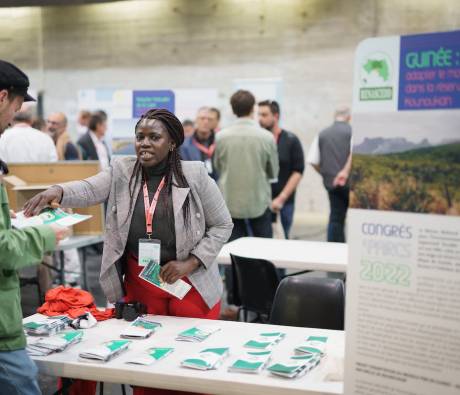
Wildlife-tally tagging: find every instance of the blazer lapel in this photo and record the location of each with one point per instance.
(178, 198)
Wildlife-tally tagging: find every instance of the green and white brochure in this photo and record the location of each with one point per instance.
(251, 362)
(105, 352)
(151, 274)
(265, 340)
(140, 328)
(48, 216)
(198, 333)
(313, 345)
(209, 358)
(294, 366)
(151, 356)
(56, 343)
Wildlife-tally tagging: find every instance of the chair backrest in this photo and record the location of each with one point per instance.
(256, 281)
(314, 302)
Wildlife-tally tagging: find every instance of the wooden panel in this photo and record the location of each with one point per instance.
(32, 178)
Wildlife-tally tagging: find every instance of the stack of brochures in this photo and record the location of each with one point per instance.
(251, 362)
(140, 328)
(265, 340)
(104, 352)
(295, 366)
(56, 343)
(313, 345)
(210, 358)
(150, 356)
(198, 333)
(46, 326)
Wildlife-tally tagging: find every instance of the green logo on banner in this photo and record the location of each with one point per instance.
(376, 78)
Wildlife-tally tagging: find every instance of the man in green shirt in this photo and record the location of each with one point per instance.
(18, 249)
(246, 158)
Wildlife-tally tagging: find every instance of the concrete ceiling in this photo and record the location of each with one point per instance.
(29, 3)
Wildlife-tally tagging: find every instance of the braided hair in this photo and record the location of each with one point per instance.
(174, 167)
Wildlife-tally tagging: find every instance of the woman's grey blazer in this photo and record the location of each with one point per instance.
(210, 227)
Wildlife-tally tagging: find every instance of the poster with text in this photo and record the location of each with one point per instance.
(403, 278)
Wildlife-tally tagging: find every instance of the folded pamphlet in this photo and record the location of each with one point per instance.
(265, 340)
(150, 356)
(56, 343)
(105, 352)
(151, 274)
(312, 345)
(46, 326)
(198, 333)
(210, 358)
(251, 362)
(140, 328)
(48, 216)
(295, 366)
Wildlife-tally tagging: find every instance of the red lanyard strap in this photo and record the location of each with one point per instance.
(150, 208)
(206, 150)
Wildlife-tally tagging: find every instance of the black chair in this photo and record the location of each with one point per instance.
(255, 282)
(314, 302)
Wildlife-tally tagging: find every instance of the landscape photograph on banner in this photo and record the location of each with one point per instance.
(406, 161)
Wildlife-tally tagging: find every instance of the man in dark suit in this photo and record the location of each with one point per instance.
(92, 144)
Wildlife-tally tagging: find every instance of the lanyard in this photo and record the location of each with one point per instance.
(150, 208)
(206, 150)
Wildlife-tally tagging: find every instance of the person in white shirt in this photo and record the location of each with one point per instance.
(22, 143)
(92, 144)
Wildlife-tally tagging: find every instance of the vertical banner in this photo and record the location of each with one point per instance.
(403, 278)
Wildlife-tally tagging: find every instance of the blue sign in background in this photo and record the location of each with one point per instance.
(429, 72)
(146, 100)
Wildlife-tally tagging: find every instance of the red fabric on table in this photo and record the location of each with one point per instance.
(72, 302)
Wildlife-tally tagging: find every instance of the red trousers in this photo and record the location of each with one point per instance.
(161, 303)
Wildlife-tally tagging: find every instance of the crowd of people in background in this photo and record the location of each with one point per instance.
(256, 163)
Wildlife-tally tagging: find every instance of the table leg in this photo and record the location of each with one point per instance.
(61, 267)
(84, 273)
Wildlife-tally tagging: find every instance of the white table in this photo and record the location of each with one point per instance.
(168, 374)
(289, 254)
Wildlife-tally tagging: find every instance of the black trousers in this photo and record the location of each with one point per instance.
(257, 227)
(339, 199)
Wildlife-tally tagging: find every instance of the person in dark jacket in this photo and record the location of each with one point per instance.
(92, 144)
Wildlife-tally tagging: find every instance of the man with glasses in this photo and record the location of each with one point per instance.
(57, 129)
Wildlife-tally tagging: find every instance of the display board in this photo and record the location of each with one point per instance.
(403, 277)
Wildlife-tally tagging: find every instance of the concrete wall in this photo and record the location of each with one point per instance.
(309, 44)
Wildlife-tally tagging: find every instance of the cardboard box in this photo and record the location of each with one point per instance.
(25, 180)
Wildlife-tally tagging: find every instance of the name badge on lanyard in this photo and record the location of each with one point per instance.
(150, 249)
